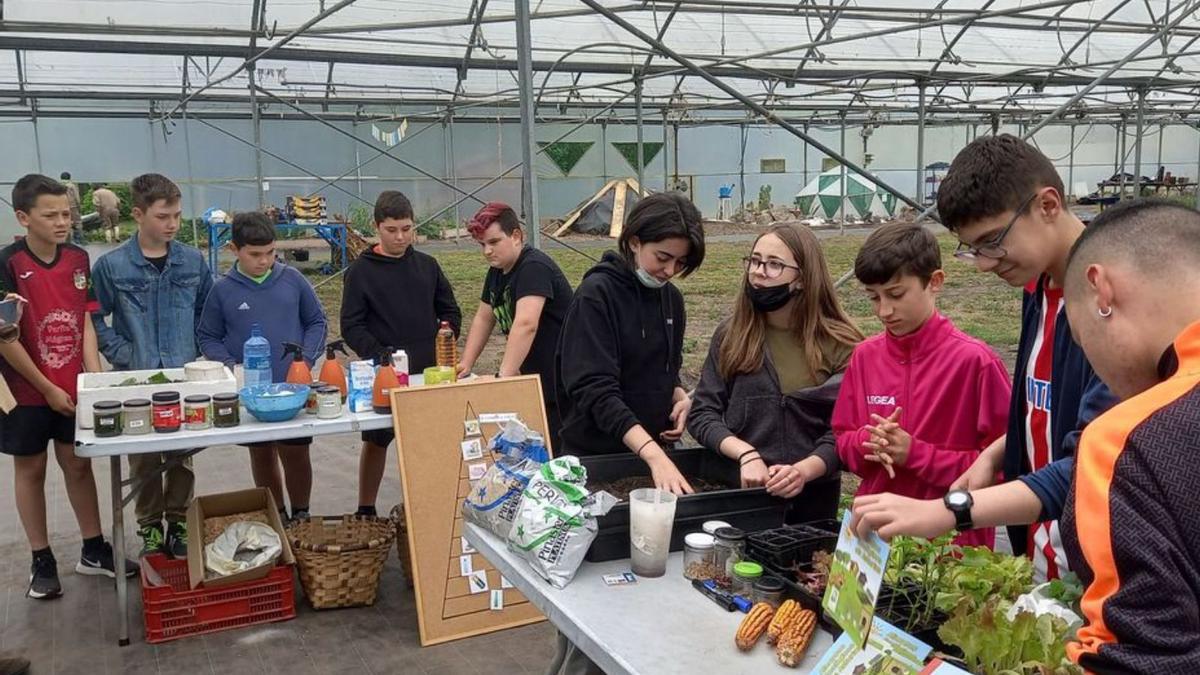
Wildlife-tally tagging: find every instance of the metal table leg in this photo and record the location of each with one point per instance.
(118, 543)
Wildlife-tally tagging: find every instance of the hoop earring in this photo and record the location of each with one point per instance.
(1105, 312)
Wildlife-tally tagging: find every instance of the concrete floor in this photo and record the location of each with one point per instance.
(77, 632)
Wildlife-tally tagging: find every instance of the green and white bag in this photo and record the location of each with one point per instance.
(555, 524)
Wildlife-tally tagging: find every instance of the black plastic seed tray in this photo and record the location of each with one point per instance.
(786, 546)
(749, 509)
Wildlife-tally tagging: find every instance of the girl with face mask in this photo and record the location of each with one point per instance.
(768, 386)
(618, 358)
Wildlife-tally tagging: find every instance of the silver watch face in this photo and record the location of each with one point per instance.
(957, 498)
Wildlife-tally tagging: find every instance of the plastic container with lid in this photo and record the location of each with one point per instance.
(225, 410)
(698, 556)
(168, 416)
(135, 416)
(197, 412)
(106, 418)
(728, 550)
(768, 590)
(745, 575)
(329, 402)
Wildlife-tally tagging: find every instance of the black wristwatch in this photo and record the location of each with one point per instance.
(960, 502)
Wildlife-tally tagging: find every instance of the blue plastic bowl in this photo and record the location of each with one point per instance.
(278, 402)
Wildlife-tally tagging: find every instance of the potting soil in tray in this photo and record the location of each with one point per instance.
(622, 487)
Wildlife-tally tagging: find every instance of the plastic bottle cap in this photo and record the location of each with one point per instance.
(748, 569)
(712, 526)
(698, 540)
(730, 534)
(769, 585)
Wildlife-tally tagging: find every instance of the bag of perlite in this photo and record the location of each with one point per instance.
(556, 521)
(495, 498)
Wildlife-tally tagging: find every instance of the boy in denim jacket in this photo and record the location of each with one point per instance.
(154, 288)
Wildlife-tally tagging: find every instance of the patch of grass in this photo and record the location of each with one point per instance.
(981, 304)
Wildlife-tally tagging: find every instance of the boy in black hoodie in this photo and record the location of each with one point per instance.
(394, 297)
(617, 363)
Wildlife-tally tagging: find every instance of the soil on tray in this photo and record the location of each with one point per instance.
(622, 487)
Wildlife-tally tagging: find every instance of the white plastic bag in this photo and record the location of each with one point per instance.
(1037, 602)
(243, 545)
(554, 525)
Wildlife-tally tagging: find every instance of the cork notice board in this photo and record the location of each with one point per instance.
(456, 590)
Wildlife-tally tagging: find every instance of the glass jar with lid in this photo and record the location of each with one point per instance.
(225, 410)
(698, 557)
(745, 575)
(135, 416)
(106, 418)
(729, 548)
(768, 590)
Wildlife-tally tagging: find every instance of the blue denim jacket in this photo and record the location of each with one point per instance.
(154, 316)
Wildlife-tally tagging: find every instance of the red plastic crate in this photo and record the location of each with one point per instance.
(174, 611)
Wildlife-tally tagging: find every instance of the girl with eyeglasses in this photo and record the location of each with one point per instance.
(768, 386)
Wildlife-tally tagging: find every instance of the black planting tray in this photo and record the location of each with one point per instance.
(749, 509)
(783, 547)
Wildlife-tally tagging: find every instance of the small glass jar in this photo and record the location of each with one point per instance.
(329, 403)
(168, 416)
(711, 526)
(197, 412)
(135, 416)
(225, 411)
(310, 404)
(728, 550)
(745, 575)
(106, 418)
(698, 557)
(768, 590)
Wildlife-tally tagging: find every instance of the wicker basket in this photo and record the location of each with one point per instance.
(340, 558)
(402, 544)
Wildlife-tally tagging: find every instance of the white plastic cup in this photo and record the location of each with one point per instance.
(651, 517)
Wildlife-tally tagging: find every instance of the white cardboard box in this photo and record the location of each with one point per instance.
(93, 387)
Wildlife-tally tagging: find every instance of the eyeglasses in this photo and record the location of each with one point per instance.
(993, 249)
(771, 268)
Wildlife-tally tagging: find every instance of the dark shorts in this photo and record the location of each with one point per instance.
(28, 430)
(380, 437)
(307, 440)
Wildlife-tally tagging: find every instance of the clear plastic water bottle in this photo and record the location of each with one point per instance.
(256, 358)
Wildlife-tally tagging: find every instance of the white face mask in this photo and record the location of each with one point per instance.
(648, 280)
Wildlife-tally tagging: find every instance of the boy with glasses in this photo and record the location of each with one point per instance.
(1004, 201)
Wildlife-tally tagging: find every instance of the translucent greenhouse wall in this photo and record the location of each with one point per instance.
(222, 169)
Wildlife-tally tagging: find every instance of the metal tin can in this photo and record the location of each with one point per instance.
(106, 418)
(197, 412)
(329, 402)
(135, 416)
(225, 410)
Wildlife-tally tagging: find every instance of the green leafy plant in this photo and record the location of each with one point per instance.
(915, 571)
(764, 198)
(362, 220)
(979, 574)
(994, 645)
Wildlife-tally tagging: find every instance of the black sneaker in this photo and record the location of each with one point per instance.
(43, 579)
(152, 539)
(177, 540)
(297, 516)
(100, 562)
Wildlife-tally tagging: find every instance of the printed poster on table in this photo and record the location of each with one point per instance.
(854, 579)
(889, 651)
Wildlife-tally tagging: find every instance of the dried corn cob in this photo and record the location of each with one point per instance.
(794, 642)
(785, 617)
(754, 625)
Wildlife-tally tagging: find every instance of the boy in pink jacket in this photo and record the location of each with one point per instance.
(921, 400)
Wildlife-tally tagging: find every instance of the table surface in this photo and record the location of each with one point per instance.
(249, 431)
(658, 625)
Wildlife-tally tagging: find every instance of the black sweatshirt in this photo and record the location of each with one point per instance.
(397, 303)
(618, 359)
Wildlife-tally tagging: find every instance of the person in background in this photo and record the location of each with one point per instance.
(76, 212)
(108, 205)
(768, 385)
(526, 294)
(154, 288)
(394, 297)
(921, 400)
(618, 359)
(41, 362)
(1127, 505)
(260, 290)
